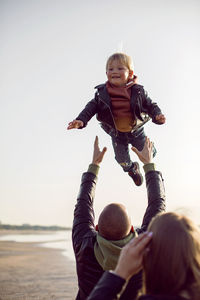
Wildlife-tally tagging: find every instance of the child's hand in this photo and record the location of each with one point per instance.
(75, 124)
(160, 119)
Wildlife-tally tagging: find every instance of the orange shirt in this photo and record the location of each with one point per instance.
(120, 98)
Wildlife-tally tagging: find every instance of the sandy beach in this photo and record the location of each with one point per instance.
(31, 272)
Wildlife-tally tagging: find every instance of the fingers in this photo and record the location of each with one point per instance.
(145, 155)
(135, 150)
(103, 151)
(131, 256)
(97, 153)
(161, 119)
(141, 241)
(158, 117)
(70, 126)
(148, 143)
(75, 124)
(138, 239)
(96, 141)
(96, 145)
(101, 155)
(144, 241)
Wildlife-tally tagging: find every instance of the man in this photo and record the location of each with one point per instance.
(98, 250)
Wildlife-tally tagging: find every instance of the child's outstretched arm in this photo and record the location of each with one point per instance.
(75, 124)
(152, 109)
(160, 118)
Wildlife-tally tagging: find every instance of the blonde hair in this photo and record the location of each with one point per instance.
(123, 58)
(172, 264)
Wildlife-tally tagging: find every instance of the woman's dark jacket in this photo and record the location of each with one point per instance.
(141, 107)
(84, 234)
(110, 285)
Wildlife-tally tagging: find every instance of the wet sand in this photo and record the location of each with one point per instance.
(30, 272)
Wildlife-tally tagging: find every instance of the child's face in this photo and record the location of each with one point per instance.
(117, 73)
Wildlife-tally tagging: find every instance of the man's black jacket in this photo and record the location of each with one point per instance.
(84, 234)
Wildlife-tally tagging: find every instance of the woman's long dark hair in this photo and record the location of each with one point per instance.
(172, 264)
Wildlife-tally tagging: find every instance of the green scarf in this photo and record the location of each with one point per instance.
(107, 252)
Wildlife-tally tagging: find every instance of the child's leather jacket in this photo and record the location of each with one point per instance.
(141, 105)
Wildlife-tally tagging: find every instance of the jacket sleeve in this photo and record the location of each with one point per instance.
(107, 287)
(88, 112)
(150, 107)
(132, 288)
(84, 214)
(156, 197)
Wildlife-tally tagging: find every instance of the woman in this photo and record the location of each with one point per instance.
(169, 255)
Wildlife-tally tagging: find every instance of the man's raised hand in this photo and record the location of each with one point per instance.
(97, 153)
(146, 154)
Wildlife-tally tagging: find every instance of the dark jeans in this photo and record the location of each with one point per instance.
(121, 146)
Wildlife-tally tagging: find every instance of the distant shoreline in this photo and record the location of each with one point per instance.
(27, 231)
(32, 227)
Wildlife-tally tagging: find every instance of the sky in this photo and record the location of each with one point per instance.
(52, 55)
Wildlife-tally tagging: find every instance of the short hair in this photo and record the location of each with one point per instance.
(114, 222)
(123, 58)
(172, 263)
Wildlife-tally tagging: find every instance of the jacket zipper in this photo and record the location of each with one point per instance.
(110, 114)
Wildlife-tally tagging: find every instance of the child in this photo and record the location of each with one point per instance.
(122, 106)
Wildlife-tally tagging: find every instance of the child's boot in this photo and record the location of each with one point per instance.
(135, 174)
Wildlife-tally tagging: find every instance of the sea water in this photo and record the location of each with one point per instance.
(60, 240)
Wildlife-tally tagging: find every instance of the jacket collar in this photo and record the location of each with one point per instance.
(102, 91)
(102, 87)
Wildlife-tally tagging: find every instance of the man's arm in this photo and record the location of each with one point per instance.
(83, 213)
(154, 184)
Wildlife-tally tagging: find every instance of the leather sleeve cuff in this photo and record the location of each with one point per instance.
(108, 286)
(93, 169)
(149, 167)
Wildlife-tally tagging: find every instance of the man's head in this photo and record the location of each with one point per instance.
(119, 69)
(114, 222)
